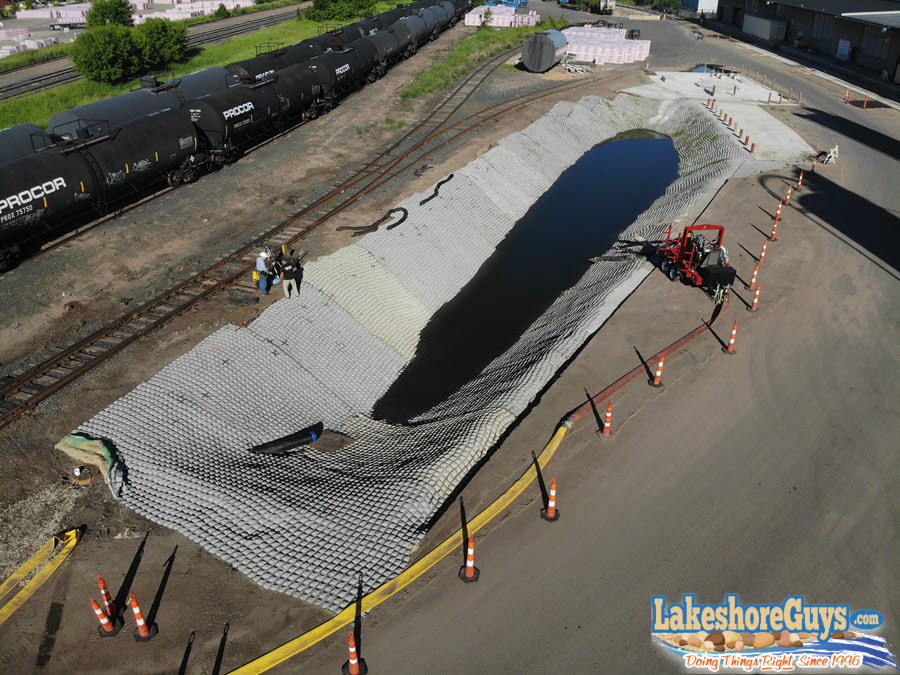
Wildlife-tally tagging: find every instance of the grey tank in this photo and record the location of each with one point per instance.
(543, 50)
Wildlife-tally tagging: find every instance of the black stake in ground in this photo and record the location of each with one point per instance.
(357, 633)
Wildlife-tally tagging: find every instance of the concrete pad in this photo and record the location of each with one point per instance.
(723, 88)
(774, 140)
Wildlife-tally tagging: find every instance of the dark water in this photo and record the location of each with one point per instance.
(546, 252)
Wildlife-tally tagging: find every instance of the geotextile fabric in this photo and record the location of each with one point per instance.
(308, 523)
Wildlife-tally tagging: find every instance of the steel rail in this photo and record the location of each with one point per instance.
(28, 388)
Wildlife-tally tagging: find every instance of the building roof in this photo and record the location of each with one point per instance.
(889, 19)
(839, 7)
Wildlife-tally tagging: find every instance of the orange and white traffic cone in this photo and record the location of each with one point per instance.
(107, 598)
(730, 348)
(468, 572)
(762, 256)
(774, 231)
(778, 212)
(787, 200)
(800, 182)
(551, 513)
(608, 421)
(143, 632)
(753, 278)
(108, 627)
(815, 161)
(752, 308)
(355, 665)
(656, 382)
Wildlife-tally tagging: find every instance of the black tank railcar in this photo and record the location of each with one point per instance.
(418, 31)
(391, 17)
(430, 19)
(462, 6)
(338, 73)
(118, 110)
(227, 118)
(38, 192)
(442, 17)
(363, 28)
(71, 180)
(330, 40)
(366, 54)
(451, 11)
(260, 68)
(299, 91)
(303, 51)
(22, 140)
(405, 37)
(388, 47)
(143, 152)
(202, 82)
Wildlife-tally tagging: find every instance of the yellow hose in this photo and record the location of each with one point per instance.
(413, 572)
(69, 539)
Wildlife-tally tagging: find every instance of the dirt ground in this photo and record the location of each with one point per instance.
(76, 288)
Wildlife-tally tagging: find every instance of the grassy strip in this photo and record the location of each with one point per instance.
(31, 56)
(41, 106)
(482, 44)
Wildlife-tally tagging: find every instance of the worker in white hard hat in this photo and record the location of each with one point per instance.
(262, 270)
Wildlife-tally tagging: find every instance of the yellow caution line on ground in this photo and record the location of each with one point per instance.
(417, 569)
(69, 539)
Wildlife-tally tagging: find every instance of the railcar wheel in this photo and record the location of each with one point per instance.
(664, 266)
(673, 273)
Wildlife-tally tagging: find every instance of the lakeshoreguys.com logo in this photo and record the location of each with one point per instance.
(782, 637)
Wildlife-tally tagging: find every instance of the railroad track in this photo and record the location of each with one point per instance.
(69, 74)
(23, 390)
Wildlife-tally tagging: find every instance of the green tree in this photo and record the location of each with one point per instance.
(486, 19)
(339, 10)
(105, 12)
(28, 4)
(106, 54)
(666, 5)
(161, 42)
(222, 12)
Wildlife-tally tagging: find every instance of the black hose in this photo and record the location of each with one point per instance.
(436, 188)
(281, 445)
(399, 209)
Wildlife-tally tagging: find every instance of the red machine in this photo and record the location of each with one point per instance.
(699, 258)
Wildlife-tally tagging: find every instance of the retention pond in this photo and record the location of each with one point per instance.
(546, 252)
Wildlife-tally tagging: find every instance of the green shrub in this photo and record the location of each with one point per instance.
(107, 12)
(106, 53)
(161, 42)
(340, 10)
(222, 12)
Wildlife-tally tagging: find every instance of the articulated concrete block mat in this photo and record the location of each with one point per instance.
(309, 522)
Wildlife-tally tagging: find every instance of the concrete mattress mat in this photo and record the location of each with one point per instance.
(309, 522)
